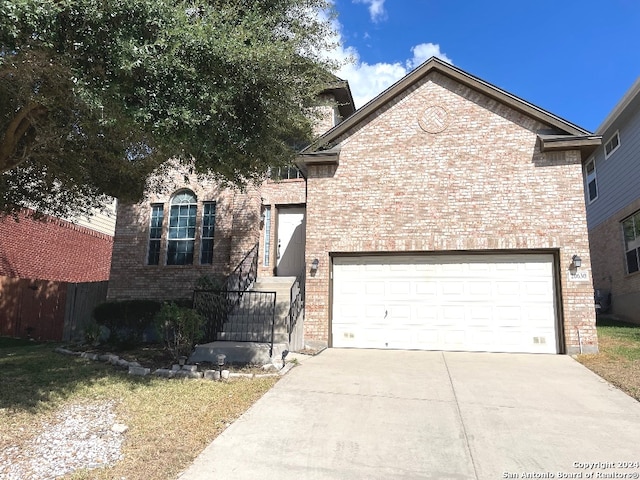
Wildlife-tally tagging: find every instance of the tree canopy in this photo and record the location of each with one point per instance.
(96, 94)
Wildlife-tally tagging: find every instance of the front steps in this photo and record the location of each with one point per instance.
(251, 319)
(245, 337)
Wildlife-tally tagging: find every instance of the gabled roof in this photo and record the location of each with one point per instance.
(576, 136)
(341, 91)
(620, 108)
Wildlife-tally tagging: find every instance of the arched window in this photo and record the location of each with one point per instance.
(182, 228)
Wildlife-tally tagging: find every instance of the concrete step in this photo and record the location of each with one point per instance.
(238, 352)
(253, 337)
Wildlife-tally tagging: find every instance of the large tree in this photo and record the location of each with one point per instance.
(95, 94)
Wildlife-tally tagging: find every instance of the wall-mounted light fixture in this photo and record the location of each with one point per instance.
(315, 264)
(576, 261)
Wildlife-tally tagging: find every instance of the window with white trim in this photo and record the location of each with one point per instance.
(155, 233)
(208, 230)
(631, 233)
(175, 243)
(612, 145)
(182, 228)
(590, 180)
(290, 172)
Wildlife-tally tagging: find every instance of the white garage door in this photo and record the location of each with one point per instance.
(491, 303)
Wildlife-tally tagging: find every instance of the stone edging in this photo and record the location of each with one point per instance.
(177, 371)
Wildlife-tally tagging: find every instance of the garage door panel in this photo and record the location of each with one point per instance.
(374, 287)
(458, 302)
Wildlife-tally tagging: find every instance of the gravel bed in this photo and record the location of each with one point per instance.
(82, 436)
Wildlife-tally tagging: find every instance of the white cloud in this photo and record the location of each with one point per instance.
(368, 80)
(376, 9)
(423, 52)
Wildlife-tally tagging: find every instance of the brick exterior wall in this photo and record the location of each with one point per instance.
(277, 195)
(481, 184)
(236, 231)
(53, 249)
(609, 270)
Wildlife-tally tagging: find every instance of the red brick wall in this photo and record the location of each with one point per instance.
(53, 249)
(481, 183)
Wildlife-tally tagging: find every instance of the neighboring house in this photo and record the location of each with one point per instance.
(446, 214)
(54, 249)
(611, 179)
(52, 272)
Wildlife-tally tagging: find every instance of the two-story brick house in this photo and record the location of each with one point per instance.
(446, 214)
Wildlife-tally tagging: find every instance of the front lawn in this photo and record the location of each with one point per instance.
(619, 359)
(170, 421)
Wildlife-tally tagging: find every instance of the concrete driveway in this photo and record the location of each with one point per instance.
(371, 414)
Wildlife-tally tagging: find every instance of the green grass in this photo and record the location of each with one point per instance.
(170, 421)
(619, 358)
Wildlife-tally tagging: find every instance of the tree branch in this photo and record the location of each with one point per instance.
(16, 130)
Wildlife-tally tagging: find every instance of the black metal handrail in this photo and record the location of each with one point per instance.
(244, 274)
(296, 300)
(249, 319)
(216, 305)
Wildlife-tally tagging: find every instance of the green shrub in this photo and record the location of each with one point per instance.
(207, 282)
(126, 320)
(179, 327)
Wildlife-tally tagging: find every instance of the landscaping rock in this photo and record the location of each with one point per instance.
(190, 368)
(141, 371)
(122, 363)
(240, 375)
(119, 428)
(225, 374)
(89, 356)
(164, 372)
(176, 367)
(212, 375)
(114, 359)
(187, 374)
(64, 351)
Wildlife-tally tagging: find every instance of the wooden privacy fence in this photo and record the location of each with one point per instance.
(45, 310)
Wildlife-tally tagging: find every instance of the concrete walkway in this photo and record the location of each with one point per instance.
(371, 414)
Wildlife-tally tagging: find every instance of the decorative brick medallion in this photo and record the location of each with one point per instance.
(434, 119)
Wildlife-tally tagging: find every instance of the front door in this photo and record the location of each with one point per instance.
(291, 239)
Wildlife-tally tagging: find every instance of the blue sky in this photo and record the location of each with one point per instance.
(573, 58)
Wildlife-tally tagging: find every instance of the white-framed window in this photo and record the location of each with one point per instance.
(590, 180)
(155, 233)
(267, 236)
(181, 231)
(208, 230)
(631, 233)
(612, 145)
(290, 172)
(182, 228)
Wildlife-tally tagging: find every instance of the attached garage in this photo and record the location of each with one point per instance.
(486, 302)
